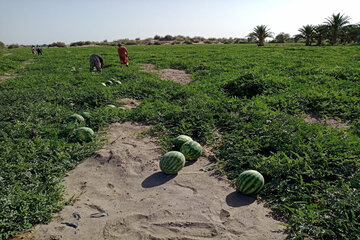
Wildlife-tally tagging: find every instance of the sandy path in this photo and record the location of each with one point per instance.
(175, 75)
(123, 180)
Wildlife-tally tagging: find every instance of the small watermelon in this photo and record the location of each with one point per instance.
(172, 162)
(192, 150)
(76, 118)
(117, 82)
(110, 106)
(180, 140)
(250, 182)
(109, 82)
(103, 84)
(84, 134)
(86, 115)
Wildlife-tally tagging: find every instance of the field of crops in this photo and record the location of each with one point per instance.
(248, 103)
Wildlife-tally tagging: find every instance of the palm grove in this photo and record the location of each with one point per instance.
(335, 29)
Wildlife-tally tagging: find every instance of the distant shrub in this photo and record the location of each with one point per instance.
(240, 40)
(167, 38)
(2, 45)
(180, 38)
(12, 46)
(198, 39)
(57, 44)
(87, 43)
(129, 42)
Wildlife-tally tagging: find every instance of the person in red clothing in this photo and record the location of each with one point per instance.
(123, 54)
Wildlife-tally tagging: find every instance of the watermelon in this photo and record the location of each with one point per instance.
(172, 162)
(180, 140)
(109, 82)
(76, 118)
(192, 150)
(84, 134)
(117, 82)
(250, 182)
(103, 84)
(86, 115)
(110, 106)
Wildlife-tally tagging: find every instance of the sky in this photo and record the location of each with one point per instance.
(46, 21)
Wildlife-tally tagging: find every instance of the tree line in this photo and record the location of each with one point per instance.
(335, 29)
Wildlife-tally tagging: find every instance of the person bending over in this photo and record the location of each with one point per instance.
(97, 62)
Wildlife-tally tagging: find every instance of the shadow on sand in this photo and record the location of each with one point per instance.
(156, 179)
(189, 163)
(236, 199)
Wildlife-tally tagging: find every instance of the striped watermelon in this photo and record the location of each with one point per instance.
(172, 162)
(86, 115)
(84, 134)
(250, 182)
(192, 150)
(180, 140)
(76, 118)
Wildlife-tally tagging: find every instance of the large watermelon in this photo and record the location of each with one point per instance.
(250, 182)
(192, 150)
(86, 115)
(180, 140)
(76, 118)
(84, 134)
(172, 162)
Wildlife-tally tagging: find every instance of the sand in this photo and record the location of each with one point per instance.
(175, 75)
(124, 181)
(313, 118)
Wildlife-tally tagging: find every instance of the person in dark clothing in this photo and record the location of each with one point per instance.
(39, 50)
(33, 49)
(97, 62)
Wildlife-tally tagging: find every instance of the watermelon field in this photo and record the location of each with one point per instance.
(247, 103)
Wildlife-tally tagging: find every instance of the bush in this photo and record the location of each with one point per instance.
(2, 45)
(12, 46)
(57, 44)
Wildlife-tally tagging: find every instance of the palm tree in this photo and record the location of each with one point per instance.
(320, 33)
(251, 37)
(335, 23)
(307, 33)
(349, 33)
(261, 32)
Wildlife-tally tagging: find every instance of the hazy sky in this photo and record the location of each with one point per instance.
(47, 21)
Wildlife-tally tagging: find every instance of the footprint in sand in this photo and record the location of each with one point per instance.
(224, 215)
(161, 225)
